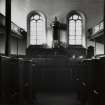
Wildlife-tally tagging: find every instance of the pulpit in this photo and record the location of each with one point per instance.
(56, 33)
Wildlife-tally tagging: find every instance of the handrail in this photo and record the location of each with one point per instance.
(15, 28)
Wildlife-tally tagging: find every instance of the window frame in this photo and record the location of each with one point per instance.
(75, 21)
(29, 17)
(83, 17)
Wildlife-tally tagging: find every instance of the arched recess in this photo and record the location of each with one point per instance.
(36, 28)
(76, 28)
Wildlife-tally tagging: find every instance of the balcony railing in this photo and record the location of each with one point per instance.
(14, 28)
(99, 27)
(96, 31)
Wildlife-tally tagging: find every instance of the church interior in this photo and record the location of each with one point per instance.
(52, 52)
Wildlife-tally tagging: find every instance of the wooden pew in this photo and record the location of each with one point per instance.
(10, 80)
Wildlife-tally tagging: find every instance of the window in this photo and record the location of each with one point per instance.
(75, 29)
(36, 28)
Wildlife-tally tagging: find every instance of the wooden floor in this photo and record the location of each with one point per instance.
(56, 99)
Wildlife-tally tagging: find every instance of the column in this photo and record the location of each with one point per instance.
(104, 27)
(8, 26)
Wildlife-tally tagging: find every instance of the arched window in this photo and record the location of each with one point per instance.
(76, 28)
(36, 28)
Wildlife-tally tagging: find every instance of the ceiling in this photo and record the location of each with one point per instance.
(93, 9)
